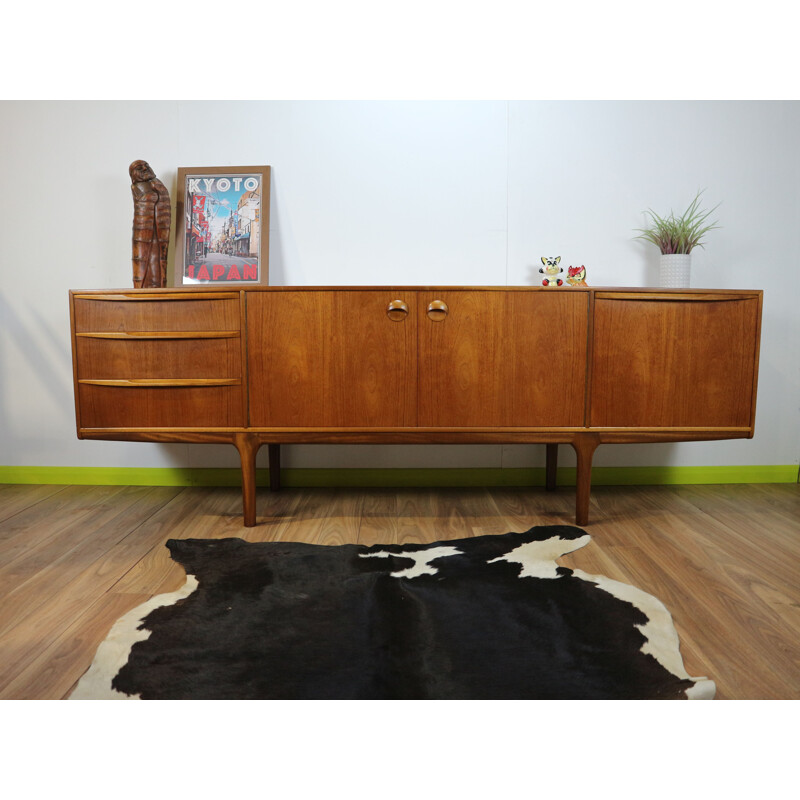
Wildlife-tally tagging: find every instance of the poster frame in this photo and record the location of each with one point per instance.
(186, 228)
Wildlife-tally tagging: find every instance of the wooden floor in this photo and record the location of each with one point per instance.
(724, 559)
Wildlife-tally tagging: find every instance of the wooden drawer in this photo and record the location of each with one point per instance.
(674, 360)
(164, 312)
(149, 406)
(118, 359)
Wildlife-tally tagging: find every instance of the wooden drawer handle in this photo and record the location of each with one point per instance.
(677, 296)
(153, 383)
(437, 310)
(397, 310)
(159, 335)
(146, 296)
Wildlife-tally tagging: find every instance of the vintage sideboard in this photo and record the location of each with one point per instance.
(278, 365)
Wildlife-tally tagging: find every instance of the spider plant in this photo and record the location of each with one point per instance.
(681, 234)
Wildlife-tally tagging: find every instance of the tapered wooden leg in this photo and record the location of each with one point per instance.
(552, 467)
(248, 446)
(585, 444)
(274, 467)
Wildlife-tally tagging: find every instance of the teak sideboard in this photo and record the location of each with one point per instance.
(278, 365)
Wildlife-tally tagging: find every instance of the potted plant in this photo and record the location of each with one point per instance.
(676, 237)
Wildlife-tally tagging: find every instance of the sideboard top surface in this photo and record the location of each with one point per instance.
(233, 289)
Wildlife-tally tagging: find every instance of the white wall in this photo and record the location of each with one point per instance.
(399, 193)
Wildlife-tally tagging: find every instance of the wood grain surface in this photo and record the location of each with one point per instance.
(503, 359)
(175, 312)
(330, 359)
(662, 363)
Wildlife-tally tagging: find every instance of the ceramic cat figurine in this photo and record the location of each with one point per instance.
(550, 270)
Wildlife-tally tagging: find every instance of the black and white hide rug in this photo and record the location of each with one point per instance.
(487, 617)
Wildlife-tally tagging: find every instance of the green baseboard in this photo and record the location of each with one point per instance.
(535, 476)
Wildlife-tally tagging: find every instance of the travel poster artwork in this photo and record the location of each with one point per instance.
(223, 226)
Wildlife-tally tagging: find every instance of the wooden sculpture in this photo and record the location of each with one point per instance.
(151, 224)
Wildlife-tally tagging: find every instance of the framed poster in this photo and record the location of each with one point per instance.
(222, 226)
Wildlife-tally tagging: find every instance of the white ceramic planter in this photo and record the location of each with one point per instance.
(676, 270)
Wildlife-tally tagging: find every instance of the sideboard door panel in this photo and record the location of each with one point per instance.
(677, 361)
(503, 359)
(331, 359)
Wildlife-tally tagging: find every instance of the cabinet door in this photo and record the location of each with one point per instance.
(503, 358)
(674, 360)
(331, 358)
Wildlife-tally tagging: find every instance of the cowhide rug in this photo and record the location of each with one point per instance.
(488, 617)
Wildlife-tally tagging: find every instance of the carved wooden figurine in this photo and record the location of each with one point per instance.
(151, 223)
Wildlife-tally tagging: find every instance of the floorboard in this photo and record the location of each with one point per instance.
(724, 560)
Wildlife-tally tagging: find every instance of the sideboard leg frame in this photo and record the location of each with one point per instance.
(248, 446)
(552, 467)
(274, 467)
(584, 444)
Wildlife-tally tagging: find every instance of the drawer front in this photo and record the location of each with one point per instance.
(143, 406)
(109, 313)
(115, 359)
(674, 361)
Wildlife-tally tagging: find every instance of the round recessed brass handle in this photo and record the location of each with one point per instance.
(437, 310)
(397, 311)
